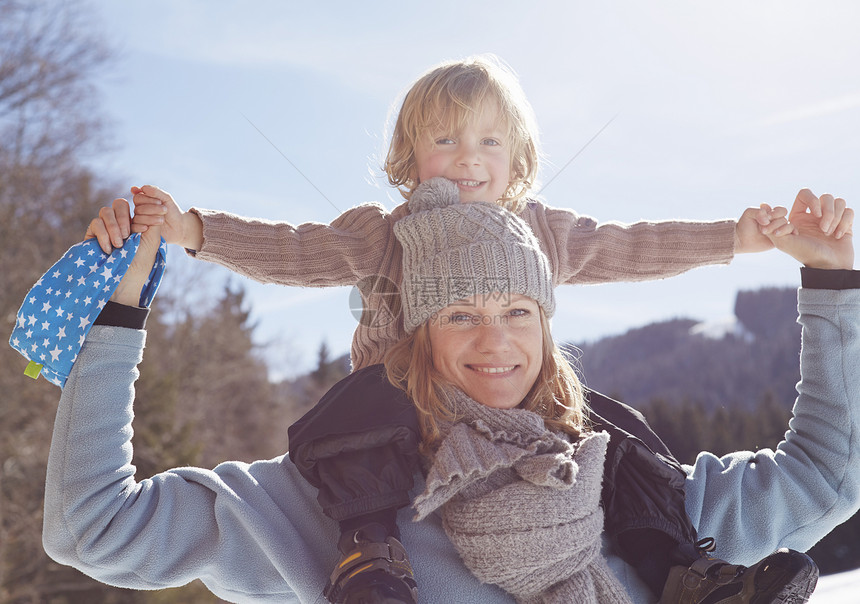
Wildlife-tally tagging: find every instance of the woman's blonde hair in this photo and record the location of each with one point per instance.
(556, 395)
(450, 95)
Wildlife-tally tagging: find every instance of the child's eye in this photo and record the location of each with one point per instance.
(491, 142)
(444, 141)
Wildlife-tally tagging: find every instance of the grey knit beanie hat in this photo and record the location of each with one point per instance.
(454, 250)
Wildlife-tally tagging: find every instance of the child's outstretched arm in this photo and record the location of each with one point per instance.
(581, 251)
(357, 244)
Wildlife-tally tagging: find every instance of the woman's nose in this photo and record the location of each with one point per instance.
(492, 336)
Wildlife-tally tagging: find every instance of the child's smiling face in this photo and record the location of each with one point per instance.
(476, 155)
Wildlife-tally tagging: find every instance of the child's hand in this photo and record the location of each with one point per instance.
(750, 230)
(114, 224)
(757, 225)
(182, 228)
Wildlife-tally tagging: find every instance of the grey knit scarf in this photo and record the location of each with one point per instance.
(522, 504)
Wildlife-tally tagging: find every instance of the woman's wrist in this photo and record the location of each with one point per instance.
(834, 279)
(121, 315)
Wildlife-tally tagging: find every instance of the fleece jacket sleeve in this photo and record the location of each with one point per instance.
(241, 528)
(755, 502)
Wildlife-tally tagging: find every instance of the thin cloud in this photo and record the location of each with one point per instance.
(829, 107)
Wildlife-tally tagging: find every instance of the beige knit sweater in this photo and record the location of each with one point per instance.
(359, 249)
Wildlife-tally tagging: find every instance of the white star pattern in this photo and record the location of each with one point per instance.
(83, 279)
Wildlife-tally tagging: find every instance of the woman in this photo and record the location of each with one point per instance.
(255, 532)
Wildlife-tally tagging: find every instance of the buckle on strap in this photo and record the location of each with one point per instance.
(388, 556)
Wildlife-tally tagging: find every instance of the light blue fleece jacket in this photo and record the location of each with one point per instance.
(255, 533)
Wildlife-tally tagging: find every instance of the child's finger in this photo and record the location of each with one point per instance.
(147, 220)
(778, 226)
(141, 198)
(762, 215)
(148, 210)
(155, 193)
(778, 212)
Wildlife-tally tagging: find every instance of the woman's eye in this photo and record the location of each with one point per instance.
(519, 312)
(461, 319)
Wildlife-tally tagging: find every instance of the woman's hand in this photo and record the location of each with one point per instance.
(113, 224)
(110, 228)
(804, 237)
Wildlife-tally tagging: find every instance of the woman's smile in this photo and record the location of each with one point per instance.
(490, 347)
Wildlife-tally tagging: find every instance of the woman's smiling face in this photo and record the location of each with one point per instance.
(489, 346)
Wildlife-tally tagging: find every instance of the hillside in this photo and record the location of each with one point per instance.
(735, 364)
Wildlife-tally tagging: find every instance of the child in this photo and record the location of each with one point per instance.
(467, 121)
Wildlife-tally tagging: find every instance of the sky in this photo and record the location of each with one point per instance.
(278, 110)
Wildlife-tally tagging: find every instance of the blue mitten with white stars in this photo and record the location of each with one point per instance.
(59, 310)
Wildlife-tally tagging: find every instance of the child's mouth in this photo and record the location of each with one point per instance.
(469, 184)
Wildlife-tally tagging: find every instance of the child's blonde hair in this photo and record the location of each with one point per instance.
(451, 94)
(557, 394)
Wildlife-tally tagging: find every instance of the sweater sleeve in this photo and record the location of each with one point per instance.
(755, 502)
(583, 251)
(310, 254)
(240, 528)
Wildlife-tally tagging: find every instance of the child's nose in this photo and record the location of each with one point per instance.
(468, 155)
